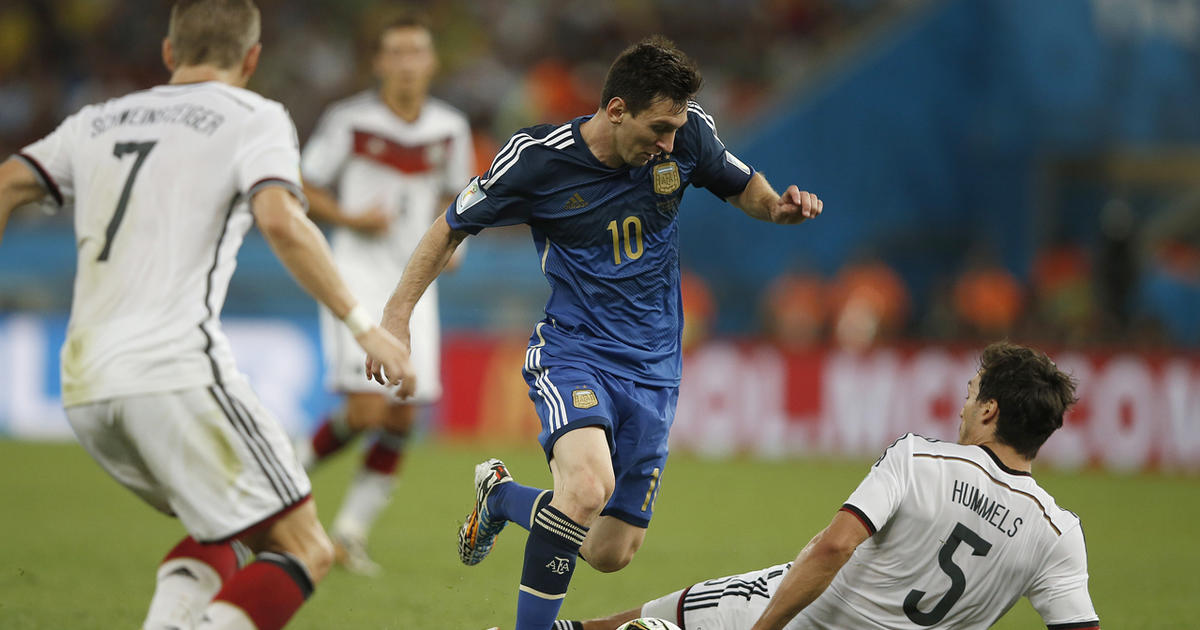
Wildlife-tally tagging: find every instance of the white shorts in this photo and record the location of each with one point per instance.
(213, 456)
(344, 359)
(726, 603)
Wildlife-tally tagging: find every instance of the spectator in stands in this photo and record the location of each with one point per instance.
(870, 304)
(795, 311)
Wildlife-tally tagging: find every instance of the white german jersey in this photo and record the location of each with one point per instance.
(957, 538)
(160, 180)
(374, 158)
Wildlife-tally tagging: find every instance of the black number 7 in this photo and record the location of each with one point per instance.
(958, 581)
(120, 150)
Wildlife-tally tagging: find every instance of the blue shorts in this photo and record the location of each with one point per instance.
(636, 418)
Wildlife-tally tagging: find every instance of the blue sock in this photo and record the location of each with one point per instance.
(514, 502)
(550, 554)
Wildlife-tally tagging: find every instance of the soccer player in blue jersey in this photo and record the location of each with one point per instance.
(601, 195)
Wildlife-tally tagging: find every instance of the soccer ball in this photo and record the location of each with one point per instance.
(648, 623)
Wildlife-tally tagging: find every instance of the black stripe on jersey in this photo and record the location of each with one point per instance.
(47, 181)
(255, 434)
(871, 529)
(285, 184)
(745, 590)
(1045, 515)
(1076, 625)
(208, 342)
(732, 588)
(254, 453)
(995, 458)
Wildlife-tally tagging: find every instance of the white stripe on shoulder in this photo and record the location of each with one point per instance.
(693, 106)
(517, 144)
(560, 138)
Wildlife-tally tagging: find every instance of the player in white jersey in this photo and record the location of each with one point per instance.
(165, 183)
(395, 158)
(938, 535)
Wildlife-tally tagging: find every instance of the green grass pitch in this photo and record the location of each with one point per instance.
(79, 551)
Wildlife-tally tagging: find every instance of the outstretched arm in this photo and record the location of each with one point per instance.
(301, 248)
(323, 206)
(433, 252)
(813, 570)
(18, 186)
(761, 201)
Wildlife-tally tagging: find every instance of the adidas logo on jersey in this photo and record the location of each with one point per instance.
(575, 202)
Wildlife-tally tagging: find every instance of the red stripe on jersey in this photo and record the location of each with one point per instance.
(862, 518)
(409, 159)
(679, 609)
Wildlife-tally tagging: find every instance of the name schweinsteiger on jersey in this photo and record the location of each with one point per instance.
(160, 180)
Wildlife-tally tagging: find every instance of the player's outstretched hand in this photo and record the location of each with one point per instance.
(388, 360)
(795, 206)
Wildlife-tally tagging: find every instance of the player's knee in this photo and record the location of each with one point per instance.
(366, 411)
(398, 425)
(300, 535)
(361, 420)
(587, 494)
(322, 557)
(318, 555)
(611, 559)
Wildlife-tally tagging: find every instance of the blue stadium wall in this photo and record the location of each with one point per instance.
(931, 136)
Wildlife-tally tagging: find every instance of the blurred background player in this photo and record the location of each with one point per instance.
(165, 184)
(395, 157)
(938, 535)
(601, 194)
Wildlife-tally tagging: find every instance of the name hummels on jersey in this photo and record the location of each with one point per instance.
(988, 509)
(200, 119)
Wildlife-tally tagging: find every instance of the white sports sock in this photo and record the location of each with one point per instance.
(368, 494)
(185, 587)
(224, 616)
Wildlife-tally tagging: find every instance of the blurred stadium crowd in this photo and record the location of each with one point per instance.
(508, 64)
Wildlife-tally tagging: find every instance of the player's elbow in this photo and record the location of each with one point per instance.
(278, 221)
(832, 548)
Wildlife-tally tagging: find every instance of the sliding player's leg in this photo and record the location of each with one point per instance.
(729, 603)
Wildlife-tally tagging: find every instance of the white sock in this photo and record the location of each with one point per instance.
(368, 494)
(185, 587)
(224, 616)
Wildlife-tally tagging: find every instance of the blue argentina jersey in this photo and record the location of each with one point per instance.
(606, 238)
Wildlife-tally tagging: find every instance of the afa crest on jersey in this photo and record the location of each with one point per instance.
(584, 399)
(666, 178)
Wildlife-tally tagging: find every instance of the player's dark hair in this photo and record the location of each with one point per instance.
(649, 70)
(213, 32)
(405, 17)
(1030, 391)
